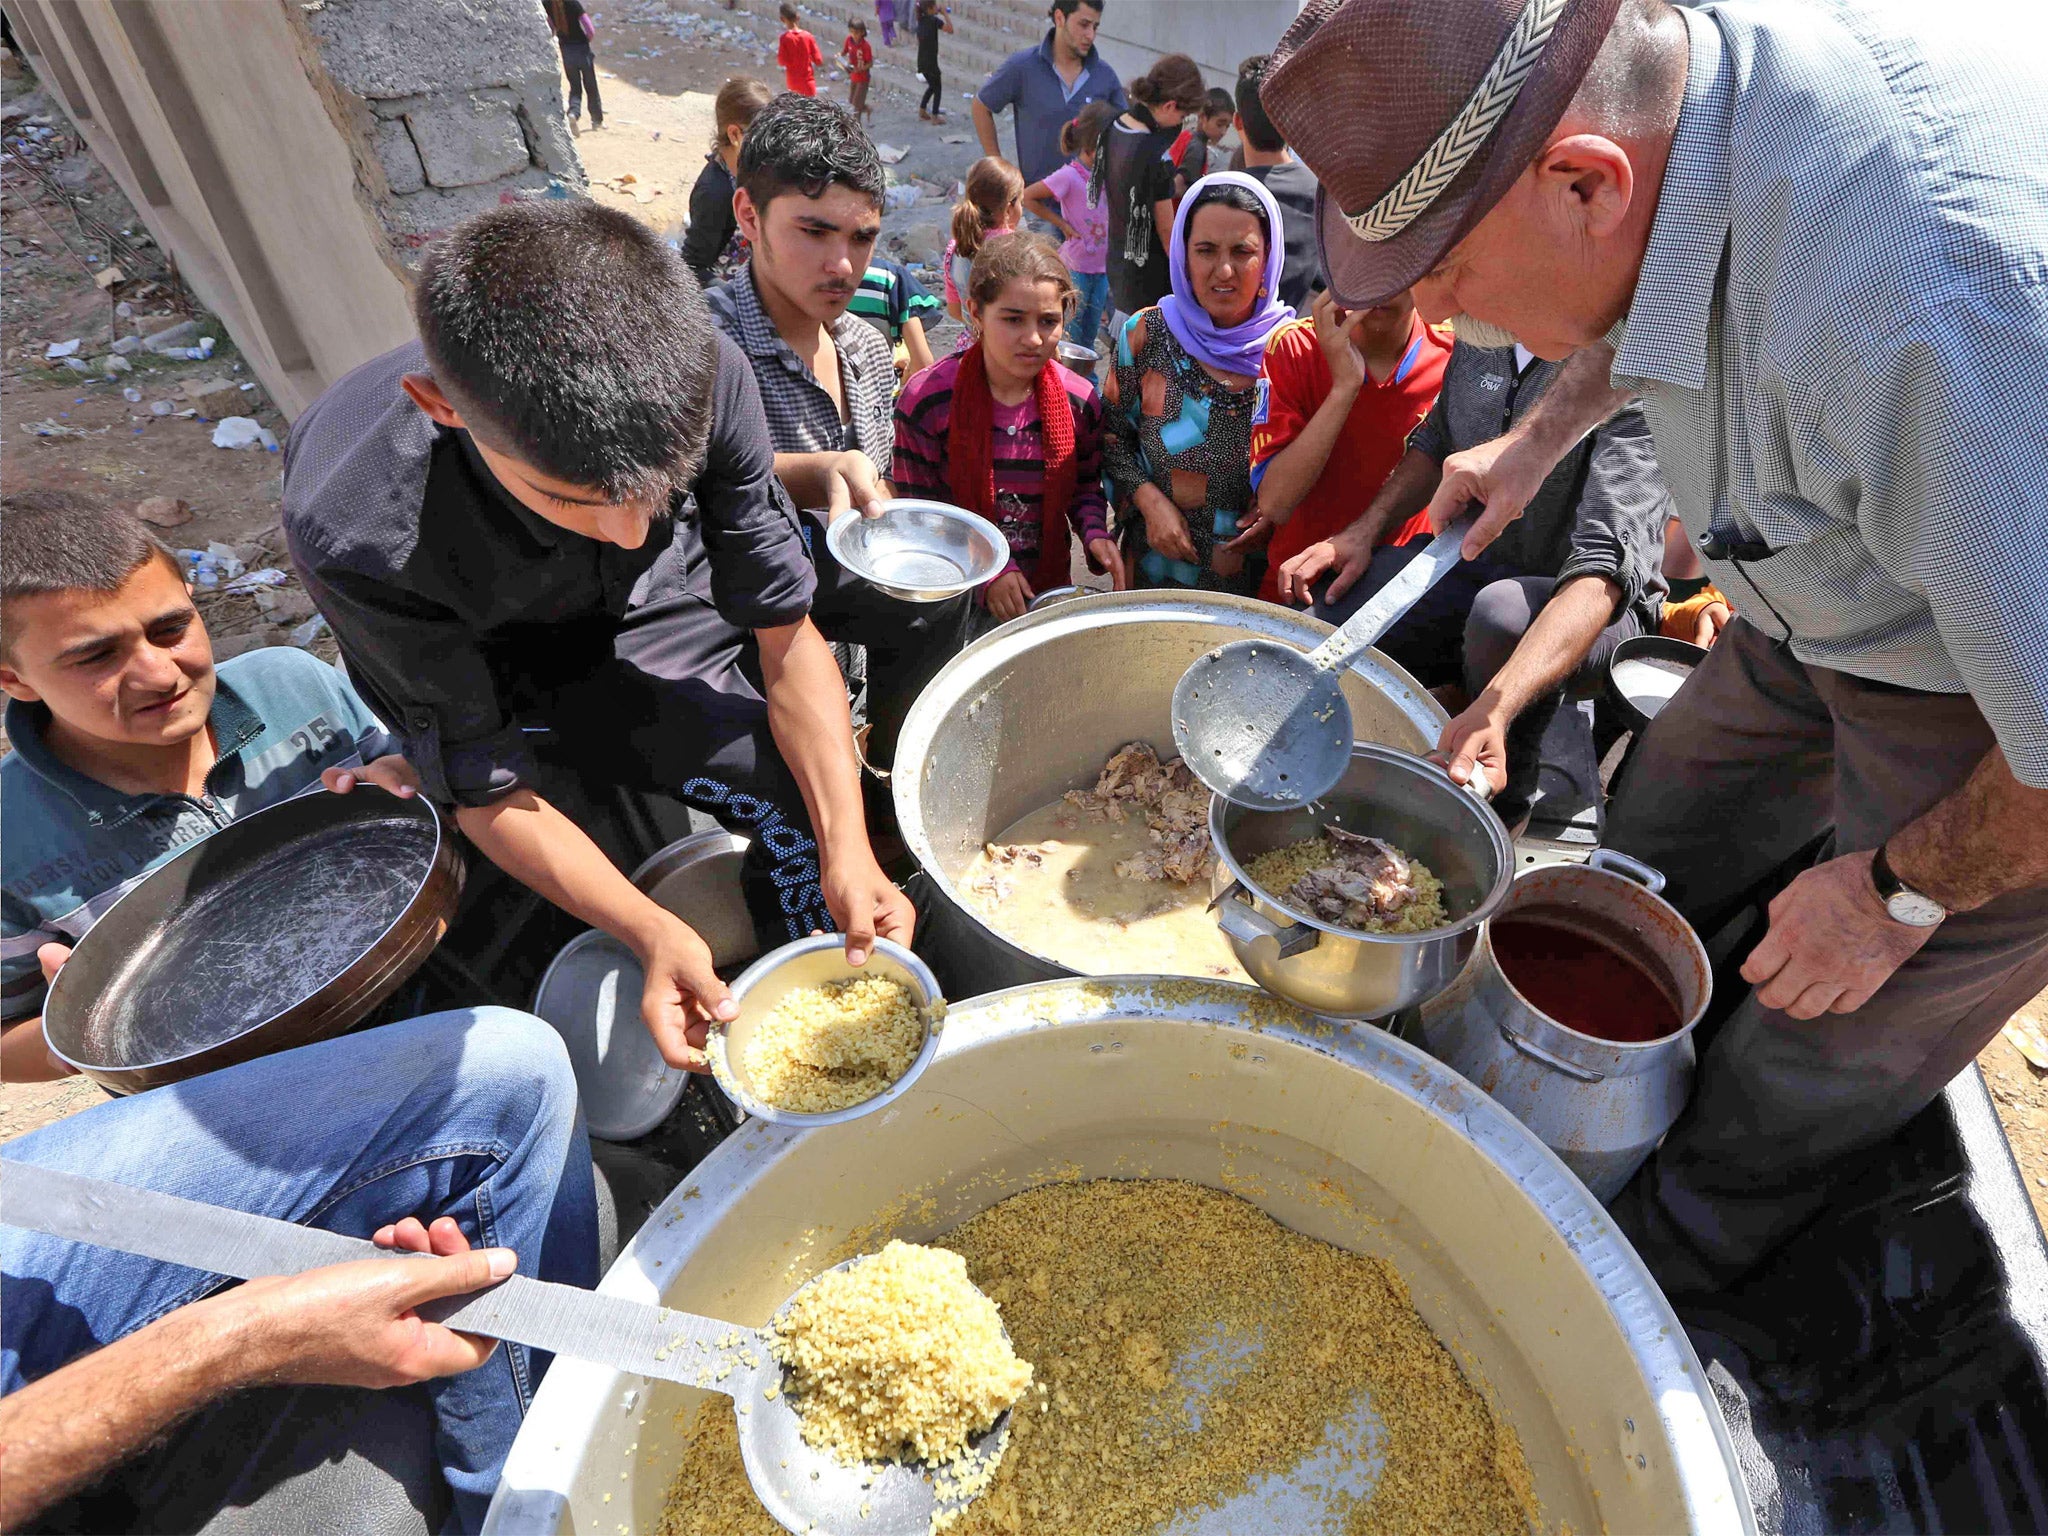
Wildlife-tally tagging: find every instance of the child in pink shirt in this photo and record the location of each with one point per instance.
(1062, 201)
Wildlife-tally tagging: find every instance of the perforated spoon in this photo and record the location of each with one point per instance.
(804, 1488)
(1266, 726)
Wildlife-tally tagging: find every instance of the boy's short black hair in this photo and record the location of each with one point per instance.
(1259, 132)
(1218, 103)
(69, 541)
(570, 336)
(787, 13)
(806, 144)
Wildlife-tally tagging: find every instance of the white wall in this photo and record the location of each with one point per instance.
(1219, 34)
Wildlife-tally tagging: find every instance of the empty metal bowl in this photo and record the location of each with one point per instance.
(920, 551)
(1078, 357)
(1646, 671)
(809, 963)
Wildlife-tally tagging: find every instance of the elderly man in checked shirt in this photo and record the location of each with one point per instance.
(1812, 239)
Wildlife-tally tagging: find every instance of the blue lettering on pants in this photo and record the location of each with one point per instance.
(794, 870)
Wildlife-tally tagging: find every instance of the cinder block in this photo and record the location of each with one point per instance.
(382, 48)
(399, 156)
(466, 142)
(414, 221)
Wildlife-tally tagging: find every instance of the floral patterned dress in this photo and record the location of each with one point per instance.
(1171, 423)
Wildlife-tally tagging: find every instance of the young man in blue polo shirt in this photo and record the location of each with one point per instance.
(1048, 84)
(128, 742)
(128, 745)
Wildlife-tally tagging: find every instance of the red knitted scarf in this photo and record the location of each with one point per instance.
(971, 457)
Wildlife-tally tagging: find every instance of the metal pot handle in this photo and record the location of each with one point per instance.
(1236, 917)
(1478, 786)
(1536, 1052)
(1651, 880)
(1053, 595)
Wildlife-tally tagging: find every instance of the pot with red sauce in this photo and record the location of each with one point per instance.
(1576, 1013)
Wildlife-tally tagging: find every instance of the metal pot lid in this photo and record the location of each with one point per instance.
(698, 879)
(590, 993)
(243, 927)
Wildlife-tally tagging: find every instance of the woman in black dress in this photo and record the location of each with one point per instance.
(1135, 180)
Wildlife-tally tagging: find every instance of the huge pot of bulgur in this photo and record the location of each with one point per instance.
(1089, 1145)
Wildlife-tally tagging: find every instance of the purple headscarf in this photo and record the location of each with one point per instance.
(1236, 348)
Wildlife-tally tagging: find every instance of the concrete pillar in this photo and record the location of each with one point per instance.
(296, 155)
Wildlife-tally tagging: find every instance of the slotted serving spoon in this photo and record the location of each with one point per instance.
(1266, 726)
(805, 1489)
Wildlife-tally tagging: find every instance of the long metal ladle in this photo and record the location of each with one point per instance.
(804, 1488)
(1266, 726)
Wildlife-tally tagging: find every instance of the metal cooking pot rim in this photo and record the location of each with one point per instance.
(1504, 850)
(440, 841)
(544, 1472)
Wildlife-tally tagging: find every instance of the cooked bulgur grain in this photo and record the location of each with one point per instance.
(833, 1046)
(898, 1357)
(1112, 1289)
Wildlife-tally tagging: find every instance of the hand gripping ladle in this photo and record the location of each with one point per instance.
(1267, 726)
(805, 1489)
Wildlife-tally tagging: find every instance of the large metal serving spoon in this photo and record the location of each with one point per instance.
(1266, 726)
(805, 1489)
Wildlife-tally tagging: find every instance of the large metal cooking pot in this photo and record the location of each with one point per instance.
(1348, 1135)
(1414, 805)
(280, 929)
(1601, 1105)
(1034, 709)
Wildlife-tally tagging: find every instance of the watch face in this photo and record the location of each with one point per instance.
(1915, 910)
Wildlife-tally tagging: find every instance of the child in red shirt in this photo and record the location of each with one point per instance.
(1323, 444)
(859, 55)
(799, 55)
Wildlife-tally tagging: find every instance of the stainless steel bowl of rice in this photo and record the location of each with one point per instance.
(785, 1057)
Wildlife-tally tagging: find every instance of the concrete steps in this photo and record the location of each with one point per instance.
(985, 32)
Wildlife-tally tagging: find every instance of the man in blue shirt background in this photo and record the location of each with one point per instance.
(1048, 84)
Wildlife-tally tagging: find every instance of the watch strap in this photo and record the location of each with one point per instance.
(1883, 876)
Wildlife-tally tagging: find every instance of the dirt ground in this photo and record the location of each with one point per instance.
(62, 221)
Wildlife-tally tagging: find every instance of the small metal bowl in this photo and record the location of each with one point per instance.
(920, 551)
(809, 963)
(1642, 651)
(1078, 357)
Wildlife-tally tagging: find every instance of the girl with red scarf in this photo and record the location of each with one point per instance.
(1004, 430)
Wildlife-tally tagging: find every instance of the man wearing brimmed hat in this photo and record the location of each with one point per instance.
(1812, 238)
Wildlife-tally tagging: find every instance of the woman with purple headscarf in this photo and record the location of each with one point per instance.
(1183, 388)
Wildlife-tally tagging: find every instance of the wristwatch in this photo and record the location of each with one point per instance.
(1905, 904)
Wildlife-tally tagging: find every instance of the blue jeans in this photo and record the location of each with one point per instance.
(470, 1114)
(1091, 307)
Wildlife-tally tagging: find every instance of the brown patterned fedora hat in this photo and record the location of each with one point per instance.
(1417, 116)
